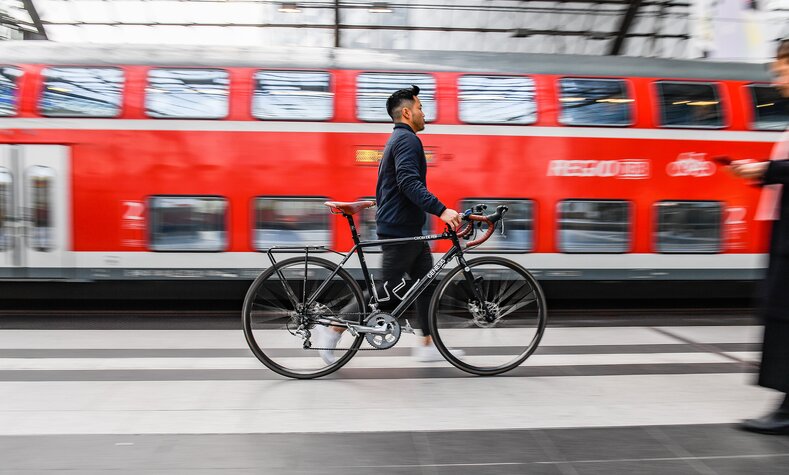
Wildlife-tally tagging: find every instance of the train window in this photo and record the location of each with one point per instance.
(497, 100)
(40, 180)
(589, 226)
(368, 231)
(6, 219)
(188, 223)
(292, 95)
(518, 224)
(187, 93)
(81, 92)
(9, 90)
(771, 111)
(374, 88)
(688, 226)
(595, 102)
(290, 221)
(690, 104)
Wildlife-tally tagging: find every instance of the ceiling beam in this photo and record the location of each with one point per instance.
(40, 34)
(624, 27)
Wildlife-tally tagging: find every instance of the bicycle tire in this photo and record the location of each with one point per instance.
(260, 304)
(458, 324)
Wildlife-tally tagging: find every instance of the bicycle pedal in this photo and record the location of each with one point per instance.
(407, 328)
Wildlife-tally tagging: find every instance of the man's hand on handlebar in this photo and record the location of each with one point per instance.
(452, 218)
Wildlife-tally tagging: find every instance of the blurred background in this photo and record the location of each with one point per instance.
(152, 151)
(723, 29)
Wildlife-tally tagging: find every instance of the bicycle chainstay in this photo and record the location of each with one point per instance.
(358, 349)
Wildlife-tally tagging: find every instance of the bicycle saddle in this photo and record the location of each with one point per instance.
(339, 207)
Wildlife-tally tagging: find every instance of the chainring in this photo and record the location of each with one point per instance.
(385, 321)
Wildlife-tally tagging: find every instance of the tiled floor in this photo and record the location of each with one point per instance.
(593, 400)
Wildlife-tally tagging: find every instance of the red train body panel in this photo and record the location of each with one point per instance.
(116, 165)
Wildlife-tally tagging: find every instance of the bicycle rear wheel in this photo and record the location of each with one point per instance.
(496, 334)
(272, 315)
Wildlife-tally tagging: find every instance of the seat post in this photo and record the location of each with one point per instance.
(354, 234)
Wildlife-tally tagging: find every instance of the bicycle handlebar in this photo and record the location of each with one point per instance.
(490, 220)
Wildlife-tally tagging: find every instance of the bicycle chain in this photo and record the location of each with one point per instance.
(346, 349)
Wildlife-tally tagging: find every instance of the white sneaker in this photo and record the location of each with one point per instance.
(429, 353)
(325, 337)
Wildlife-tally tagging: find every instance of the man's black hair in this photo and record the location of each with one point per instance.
(395, 102)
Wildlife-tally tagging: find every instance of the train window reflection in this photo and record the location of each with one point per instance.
(595, 102)
(771, 110)
(6, 196)
(688, 226)
(187, 93)
(374, 88)
(497, 100)
(588, 226)
(518, 226)
(686, 104)
(291, 221)
(292, 95)
(9, 90)
(188, 223)
(81, 92)
(368, 230)
(40, 181)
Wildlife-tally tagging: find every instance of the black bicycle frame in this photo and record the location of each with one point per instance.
(412, 294)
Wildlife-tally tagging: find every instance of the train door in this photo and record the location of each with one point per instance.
(35, 223)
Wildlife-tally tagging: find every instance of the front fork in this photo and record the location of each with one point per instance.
(472, 283)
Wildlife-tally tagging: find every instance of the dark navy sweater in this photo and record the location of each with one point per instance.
(401, 193)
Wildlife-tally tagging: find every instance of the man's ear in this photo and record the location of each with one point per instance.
(407, 117)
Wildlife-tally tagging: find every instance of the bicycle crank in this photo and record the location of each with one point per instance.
(387, 330)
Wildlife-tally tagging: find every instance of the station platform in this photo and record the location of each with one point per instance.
(597, 397)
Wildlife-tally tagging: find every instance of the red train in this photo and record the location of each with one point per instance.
(142, 163)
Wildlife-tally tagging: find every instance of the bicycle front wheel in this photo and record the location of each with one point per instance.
(275, 317)
(498, 332)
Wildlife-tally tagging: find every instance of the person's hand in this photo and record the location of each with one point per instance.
(452, 218)
(749, 169)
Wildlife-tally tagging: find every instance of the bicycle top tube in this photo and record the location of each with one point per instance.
(472, 215)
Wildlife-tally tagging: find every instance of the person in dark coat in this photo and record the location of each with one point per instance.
(403, 199)
(774, 206)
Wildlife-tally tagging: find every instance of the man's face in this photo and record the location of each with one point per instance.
(780, 71)
(417, 116)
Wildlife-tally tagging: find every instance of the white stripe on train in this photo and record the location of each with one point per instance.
(252, 260)
(365, 128)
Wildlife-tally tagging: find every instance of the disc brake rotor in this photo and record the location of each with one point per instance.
(480, 314)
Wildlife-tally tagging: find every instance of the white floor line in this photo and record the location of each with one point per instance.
(185, 407)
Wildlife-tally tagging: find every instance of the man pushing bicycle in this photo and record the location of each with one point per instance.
(403, 199)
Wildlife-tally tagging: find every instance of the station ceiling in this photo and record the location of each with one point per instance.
(597, 27)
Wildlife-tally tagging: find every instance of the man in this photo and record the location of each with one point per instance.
(774, 205)
(403, 199)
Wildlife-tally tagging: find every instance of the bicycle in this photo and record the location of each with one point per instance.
(489, 307)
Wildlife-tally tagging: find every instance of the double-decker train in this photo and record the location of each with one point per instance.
(140, 164)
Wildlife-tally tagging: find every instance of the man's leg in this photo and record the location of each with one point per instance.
(421, 265)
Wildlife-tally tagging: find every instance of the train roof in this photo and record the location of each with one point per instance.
(46, 52)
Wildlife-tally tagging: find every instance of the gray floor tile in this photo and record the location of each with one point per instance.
(750, 466)
(613, 443)
(668, 467)
(723, 440)
(485, 446)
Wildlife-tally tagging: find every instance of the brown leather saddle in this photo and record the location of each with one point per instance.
(351, 208)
